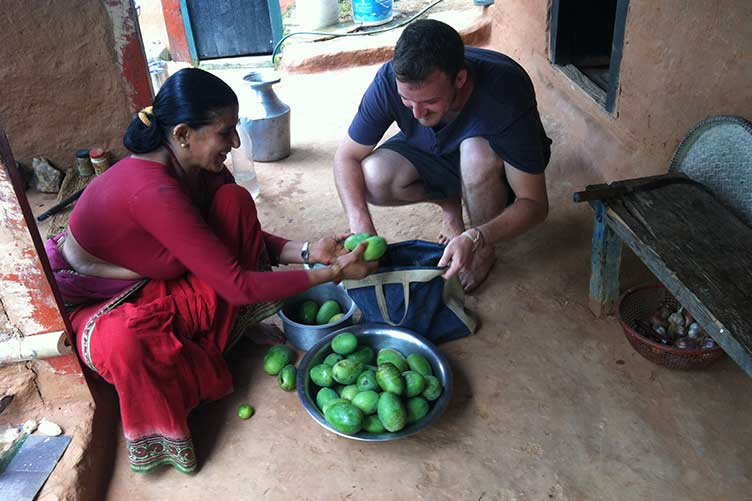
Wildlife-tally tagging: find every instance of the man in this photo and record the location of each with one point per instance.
(470, 130)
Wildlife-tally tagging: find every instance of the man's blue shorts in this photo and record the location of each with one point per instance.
(441, 174)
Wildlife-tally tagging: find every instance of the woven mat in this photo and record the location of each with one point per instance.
(717, 152)
(72, 183)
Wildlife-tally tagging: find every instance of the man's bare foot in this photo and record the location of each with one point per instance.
(451, 226)
(482, 264)
(265, 334)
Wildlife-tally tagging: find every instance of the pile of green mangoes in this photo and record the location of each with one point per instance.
(355, 395)
(376, 245)
(310, 313)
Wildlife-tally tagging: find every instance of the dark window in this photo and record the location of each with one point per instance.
(587, 38)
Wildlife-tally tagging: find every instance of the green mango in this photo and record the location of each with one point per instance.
(336, 318)
(308, 311)
(353, 240)
(390, 379)
(344, 417)
(419, 364)
(415, 383)
(363, 355)
(391, 412)
(417, 408)
(367, 381)
(367, 401)
(349, 391)
(324, 396)
(276, 358)
(332, 359)
(347, 371)
(394, 357)
(333, 401)
(327, 311)
(372, 424)
(321, 375)
(286, 377)
(344, 343)
(433, 388)
(376, 248)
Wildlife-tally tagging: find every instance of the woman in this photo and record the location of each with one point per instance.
(165, 262)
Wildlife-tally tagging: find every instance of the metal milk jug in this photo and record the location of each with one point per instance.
(265, 117)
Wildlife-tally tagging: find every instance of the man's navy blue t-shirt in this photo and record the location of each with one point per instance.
(502, 109)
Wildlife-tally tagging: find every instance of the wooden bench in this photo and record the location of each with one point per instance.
(690, 228)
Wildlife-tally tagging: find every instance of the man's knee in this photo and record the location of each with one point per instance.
(479, 162)
(379, 173)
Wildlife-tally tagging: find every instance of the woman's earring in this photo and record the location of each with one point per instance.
(183, 145)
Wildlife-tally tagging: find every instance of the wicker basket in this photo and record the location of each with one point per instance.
(635, 308)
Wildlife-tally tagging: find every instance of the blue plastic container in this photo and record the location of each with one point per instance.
(372, 12)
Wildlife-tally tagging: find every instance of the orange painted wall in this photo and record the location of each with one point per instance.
(72, 73)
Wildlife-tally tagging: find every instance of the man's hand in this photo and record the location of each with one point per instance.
(458, 255)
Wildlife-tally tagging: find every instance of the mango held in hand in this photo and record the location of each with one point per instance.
(353, 240)
(327, 311)
(376, 248)
(286, 378)
(276, 358)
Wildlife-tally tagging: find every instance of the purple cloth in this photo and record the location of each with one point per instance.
(75, 287)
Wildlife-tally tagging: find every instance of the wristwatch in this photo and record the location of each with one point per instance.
(305, 253)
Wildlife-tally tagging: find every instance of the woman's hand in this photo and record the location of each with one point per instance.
(353, 267)
(327, 249)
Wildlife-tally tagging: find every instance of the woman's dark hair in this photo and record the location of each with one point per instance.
(191, 96)
(427, 45)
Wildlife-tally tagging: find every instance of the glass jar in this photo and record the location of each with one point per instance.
(83, 163)
(99, 160)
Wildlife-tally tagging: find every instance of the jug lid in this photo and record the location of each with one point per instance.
(262, 77)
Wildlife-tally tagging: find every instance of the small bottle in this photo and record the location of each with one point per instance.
(99, 160)
(242, 163)
(83, 163)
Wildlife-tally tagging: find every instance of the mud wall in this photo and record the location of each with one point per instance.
(72, 73)
(682, 62)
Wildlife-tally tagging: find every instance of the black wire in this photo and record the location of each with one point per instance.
(335, 35)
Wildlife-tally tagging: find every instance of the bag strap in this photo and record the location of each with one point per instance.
(454, 299)
(404, 277)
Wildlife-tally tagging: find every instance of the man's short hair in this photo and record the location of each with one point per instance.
(427, 45)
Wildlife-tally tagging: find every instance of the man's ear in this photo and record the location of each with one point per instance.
(461, 79)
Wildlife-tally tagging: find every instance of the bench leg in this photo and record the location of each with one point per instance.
(604, 263)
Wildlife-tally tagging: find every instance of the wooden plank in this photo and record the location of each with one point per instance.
(619, 188)
(700, 251)
(604, 265)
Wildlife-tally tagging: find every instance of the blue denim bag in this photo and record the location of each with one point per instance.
(407, 291)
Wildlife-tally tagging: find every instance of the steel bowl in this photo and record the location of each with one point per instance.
(377, 336)
(304, 336)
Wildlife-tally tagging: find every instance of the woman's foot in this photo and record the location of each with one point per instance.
(266, 334)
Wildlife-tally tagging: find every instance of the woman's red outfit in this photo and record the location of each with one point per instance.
(160, 342)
